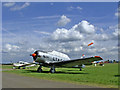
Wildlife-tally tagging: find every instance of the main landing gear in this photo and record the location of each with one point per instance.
(39, 69)
(80, 69)
(52, 70)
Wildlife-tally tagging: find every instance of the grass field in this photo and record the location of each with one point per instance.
(101, 76)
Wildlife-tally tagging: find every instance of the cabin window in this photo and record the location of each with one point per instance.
(53, 59)
(47, 57)
(43, 56)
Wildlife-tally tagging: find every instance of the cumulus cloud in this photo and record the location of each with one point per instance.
(10, 4)
(66, 35)
(114, 48)
(116, 14)
(102, 50)
(10, 47)
(102, 37)
(77, 32)
(30, 49)
(73, 41)
(63, 21)
(20, 7)
(78, 48)
(116, 32)
(84, 27)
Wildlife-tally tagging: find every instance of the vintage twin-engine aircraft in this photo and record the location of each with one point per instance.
(54, 59)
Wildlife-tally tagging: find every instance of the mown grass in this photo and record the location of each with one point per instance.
(100, 76)
(6, 66)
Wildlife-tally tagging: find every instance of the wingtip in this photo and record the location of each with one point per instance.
(99, 57)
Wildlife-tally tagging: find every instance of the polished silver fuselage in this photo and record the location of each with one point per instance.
(49, 58)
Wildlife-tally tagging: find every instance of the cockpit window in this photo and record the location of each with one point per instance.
(43, 51)
(21, 63)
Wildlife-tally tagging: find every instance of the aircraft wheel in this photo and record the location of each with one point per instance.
(23, 67)
(18, 67)
(14, 67)
(39, 69)
(52, 70)
(80, 69)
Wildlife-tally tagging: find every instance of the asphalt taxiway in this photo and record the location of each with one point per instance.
(10, 80)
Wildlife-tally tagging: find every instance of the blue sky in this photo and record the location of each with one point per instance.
(65, 27)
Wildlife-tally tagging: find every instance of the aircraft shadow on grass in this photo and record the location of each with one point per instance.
(117, 75)
(57, 72)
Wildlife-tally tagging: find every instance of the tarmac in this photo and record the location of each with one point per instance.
(10, 80)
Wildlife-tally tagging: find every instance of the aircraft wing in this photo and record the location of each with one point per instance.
(27, 64)
(23, 65)
(71, 63)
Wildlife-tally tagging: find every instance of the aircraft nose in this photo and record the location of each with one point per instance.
(33, 54)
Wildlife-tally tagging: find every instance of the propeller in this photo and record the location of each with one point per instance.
(34, 55)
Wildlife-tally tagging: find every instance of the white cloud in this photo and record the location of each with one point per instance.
(102, 37)
(63, 21)
(84, 27)
(116, 14)
(77, 32)
(79, 8)
(20, 7)
(70, 8)
(10, 4)
(114, 48)
(92, 50)
(73, 41)
(65, 50)
(76, 49)
(30, 49)
(66, 35)
(102, 50)
(115, 33)
(10, 47)
(74, 8)
(42, 32)
(46, 17)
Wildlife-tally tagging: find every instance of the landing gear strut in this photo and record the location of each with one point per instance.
(18, 67)
(52, 70)
(23, 67)
(80, 69)
(39, 69)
